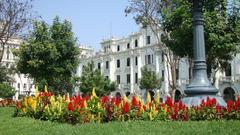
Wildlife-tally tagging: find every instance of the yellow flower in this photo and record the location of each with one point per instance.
(157, 99)
(45, 89)
(36, 92)
(94, 93)
(148, 98)
(68, 98)
(98, 105)
(25, 101)
(85, 104)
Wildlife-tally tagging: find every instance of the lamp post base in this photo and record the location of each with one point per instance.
(193, 90)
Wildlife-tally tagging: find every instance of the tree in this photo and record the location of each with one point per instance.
(92, 78)
(50, 55)
(174, 18)
(149, 80)
(4, 76)
(15, 15)
(6, 91)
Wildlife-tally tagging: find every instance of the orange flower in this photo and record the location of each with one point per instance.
(19, 104)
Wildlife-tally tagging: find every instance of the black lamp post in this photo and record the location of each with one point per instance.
(200, 87)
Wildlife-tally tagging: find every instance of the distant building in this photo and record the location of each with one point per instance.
(21, 83)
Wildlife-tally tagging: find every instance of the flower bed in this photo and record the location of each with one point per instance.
(77, 109)
(7, 102)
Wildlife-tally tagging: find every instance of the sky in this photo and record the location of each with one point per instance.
(92, 20)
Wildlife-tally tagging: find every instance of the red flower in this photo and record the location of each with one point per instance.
(230, 104)
(144, 108)
(214, 101)
(180, 104)
(218, 108)
(104, 99)
(134, 102)
(175, 108)
(70, 106)
(169, 102)
(117, 101)
(237, 104)
(126, 107)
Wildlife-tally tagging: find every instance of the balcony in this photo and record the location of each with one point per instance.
(230, 79)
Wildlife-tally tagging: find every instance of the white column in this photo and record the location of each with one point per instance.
(140, 64)
(112, 68)
(132, 74)
(166, 81)
(157, 64)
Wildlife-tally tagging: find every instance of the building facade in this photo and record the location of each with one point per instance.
(121, 60)
(21, 83)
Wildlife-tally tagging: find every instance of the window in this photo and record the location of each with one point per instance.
(177, 74)
(148, 39)
(128, 78)
(152, 58)
(128, 62)
(149, 59)
(145, 59)
(136, 61)
(163, 75)
(136, 43)
(118, 48)
(106, 77)
(228, 70)
(118, 79)
(162, 56)
(24, 86)
(99, 66)
(18, 85)
(107, 64)
(128, 45)
(136, 77)
(118, 63)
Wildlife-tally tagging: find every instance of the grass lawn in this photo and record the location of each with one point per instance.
(27, 126)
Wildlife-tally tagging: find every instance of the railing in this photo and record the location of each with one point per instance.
(182, 81)
(235, 78)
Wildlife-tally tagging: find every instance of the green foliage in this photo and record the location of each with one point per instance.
(4, 75)
(92, 78)
(6, 91)
(50, 53)
(149, 79)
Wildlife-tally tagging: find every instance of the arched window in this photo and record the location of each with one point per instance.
(136, 43)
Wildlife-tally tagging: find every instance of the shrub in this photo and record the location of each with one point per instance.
(6, 91)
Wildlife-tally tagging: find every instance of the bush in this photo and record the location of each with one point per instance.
(6, 91)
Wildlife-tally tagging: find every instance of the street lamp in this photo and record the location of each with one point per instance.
(200, 87)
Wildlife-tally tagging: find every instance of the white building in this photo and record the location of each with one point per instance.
(121, 60)
(21, 83)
